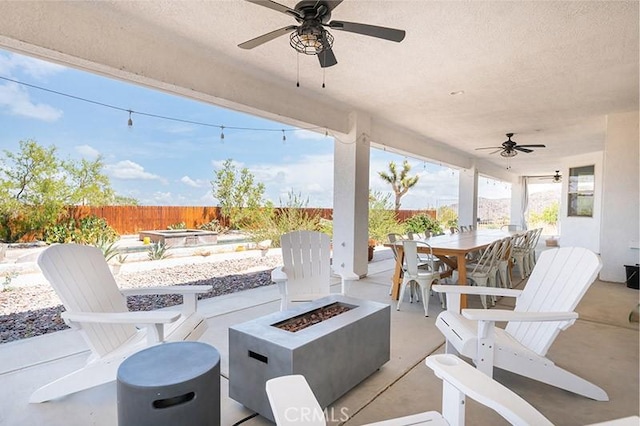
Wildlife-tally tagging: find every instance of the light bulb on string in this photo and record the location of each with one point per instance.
(221, 134)
(130, 121)
(284, 137)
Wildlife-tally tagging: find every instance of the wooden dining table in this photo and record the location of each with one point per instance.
(452, 250)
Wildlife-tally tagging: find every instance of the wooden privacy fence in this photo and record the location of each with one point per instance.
(133, 219)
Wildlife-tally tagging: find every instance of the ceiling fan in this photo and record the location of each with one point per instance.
(557, 178)
(510, 148)
(310, 36)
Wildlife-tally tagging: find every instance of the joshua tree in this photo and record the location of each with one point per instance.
(400, 182)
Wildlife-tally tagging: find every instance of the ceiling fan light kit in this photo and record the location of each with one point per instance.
(510, 148)
(311, 37)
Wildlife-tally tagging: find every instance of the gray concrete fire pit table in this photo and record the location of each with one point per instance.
(334, 355)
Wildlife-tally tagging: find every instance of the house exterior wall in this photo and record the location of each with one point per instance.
(582, 231)
(620, 224)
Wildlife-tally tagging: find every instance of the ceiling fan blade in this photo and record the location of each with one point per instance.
(391, 34)
(255, 42)
(332, 4)
(489, 147)
(519, 148)
(533, 146)
(277, 7)
(496, 151)
(327, 58)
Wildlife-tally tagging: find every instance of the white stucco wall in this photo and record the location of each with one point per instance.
(620, 225)
(582, 231)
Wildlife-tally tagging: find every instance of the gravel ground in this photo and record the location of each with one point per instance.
(28, 311)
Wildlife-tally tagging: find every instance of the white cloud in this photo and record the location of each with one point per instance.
(87, 151)
(33, 67)
(198, 183)
(17, 101)
(312, 176)
(128, 170)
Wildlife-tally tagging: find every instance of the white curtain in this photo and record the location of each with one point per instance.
(524, 201)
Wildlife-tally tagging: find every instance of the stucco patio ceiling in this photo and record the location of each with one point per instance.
(548, 71)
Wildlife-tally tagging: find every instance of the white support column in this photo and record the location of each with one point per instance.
(468, 197)
(351, 198)
(517, 194)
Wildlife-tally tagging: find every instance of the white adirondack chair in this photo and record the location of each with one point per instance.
(545, 307)
(293, 403)
(82, 279)
(306, 274)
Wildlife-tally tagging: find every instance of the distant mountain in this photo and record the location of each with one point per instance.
(493, 210)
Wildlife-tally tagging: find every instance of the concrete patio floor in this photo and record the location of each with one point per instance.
(602, 347)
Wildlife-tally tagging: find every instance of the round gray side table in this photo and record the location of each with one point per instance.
(174, 383)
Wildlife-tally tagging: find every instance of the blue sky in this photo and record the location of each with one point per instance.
(163, 162)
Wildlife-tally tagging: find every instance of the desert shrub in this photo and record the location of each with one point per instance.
(108, 248)
(382, 217)
(179, 225)
(294, 216)
(157, 251)
(326, 226)
(213, 226)
(422, 222)
(88, 230)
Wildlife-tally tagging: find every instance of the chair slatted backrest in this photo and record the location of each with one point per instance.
(411, 259)
(488, 258)
(306, 258)
(82, 279)
(558, 282)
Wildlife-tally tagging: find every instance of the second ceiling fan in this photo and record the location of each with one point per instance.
(510, 148)
(310, 36)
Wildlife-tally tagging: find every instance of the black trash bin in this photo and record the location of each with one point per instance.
(632, 276)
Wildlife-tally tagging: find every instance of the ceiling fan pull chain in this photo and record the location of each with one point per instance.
(298, 66)
(324, 72)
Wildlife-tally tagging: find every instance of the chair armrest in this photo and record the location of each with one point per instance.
(463, 378)
(171, 289)
(469, 289)
(278, 275)
(506, 315)
(138, 317)
(152, 320)
(453, 293)
(188, 292)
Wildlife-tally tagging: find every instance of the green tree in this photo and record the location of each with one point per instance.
(89, 185)
(35, 187)
(400, 182)
(120, 200)
(422, 222)
(550, 214)
(447, 216)
(240, 198)
(33, 192)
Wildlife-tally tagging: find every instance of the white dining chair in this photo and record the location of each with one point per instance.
(413, 276)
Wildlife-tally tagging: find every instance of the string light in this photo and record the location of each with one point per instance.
(221, 134)
(158, 116)
(284, 137)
